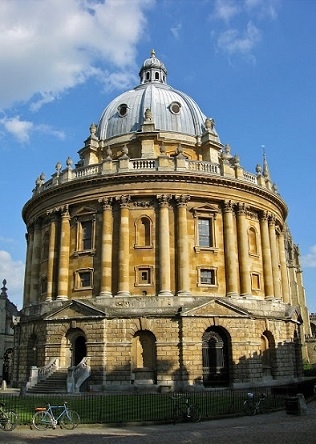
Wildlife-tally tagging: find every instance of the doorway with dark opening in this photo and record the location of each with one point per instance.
(215, 357)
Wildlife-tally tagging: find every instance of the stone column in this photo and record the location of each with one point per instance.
(266, 256)
(243, 250)
(106, 250)
(164, 245)
(123, 254)
(64, 255)
(284, 274)
(182, 243)
(230, 245)
(28, 269)
(274, 258)
(51, 258)
(36, 262)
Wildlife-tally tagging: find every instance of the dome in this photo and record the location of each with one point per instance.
(171, 110)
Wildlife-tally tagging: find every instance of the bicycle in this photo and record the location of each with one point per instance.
(44, 417)
(8, 418)
(182, 408)
(253, 407)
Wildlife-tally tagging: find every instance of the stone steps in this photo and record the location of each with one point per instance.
(56, 383)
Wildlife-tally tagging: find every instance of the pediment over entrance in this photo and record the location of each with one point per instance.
(75, 310)
(216, 308)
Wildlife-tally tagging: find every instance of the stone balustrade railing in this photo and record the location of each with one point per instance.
(139, 166)
(41, 373)
(77, 375)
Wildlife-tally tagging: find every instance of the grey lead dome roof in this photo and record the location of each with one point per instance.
(171, 110)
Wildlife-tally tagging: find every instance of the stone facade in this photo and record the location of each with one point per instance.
(161, 260)
(8, 313)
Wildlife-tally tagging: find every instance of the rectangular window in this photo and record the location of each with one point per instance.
(205, 234)
(255, 281)
(143, 275)
(207, 276)
(83, 279)
(86, 235)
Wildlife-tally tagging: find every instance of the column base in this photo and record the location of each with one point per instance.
(62, 298)
(232, 295)
(105, 294)
(269, 298)
(123, 294)
(165, 293)
(184, 293)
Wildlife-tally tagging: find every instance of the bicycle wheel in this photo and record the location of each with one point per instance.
(42, 420)
(265, 406)
(194, 413)
(70, 420)
(249, 407)
(9, 420)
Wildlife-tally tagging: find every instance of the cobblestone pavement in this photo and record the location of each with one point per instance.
(274, 428)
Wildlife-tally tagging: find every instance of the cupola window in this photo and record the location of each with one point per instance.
(175, 107)
(122, 110)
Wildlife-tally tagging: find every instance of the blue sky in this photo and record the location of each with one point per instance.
(249, 64)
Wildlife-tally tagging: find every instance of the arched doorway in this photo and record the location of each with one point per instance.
(216, 351)
(78, 347)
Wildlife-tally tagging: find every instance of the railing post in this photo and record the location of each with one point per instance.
(33, 379)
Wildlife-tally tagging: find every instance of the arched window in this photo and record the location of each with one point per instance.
(144, 356)
(268, 355)
(143, 232)
(144, 350)
(252, 241)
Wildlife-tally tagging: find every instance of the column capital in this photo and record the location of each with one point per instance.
(272, 219)
(182, 199)
(163, 199)
(264, 215)
(106, 202)
(228, 206)
(242, 208)
(124, 200)
(64, 210)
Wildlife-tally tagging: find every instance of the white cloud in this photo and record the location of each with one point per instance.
(21, 129)
(175, 30)
(50, 46)
(309, 260)
(233, 41)
(226, 9)
(13, 272)
(232, 37)
(263, 8)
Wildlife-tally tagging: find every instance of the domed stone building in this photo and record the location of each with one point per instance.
(156, 260)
